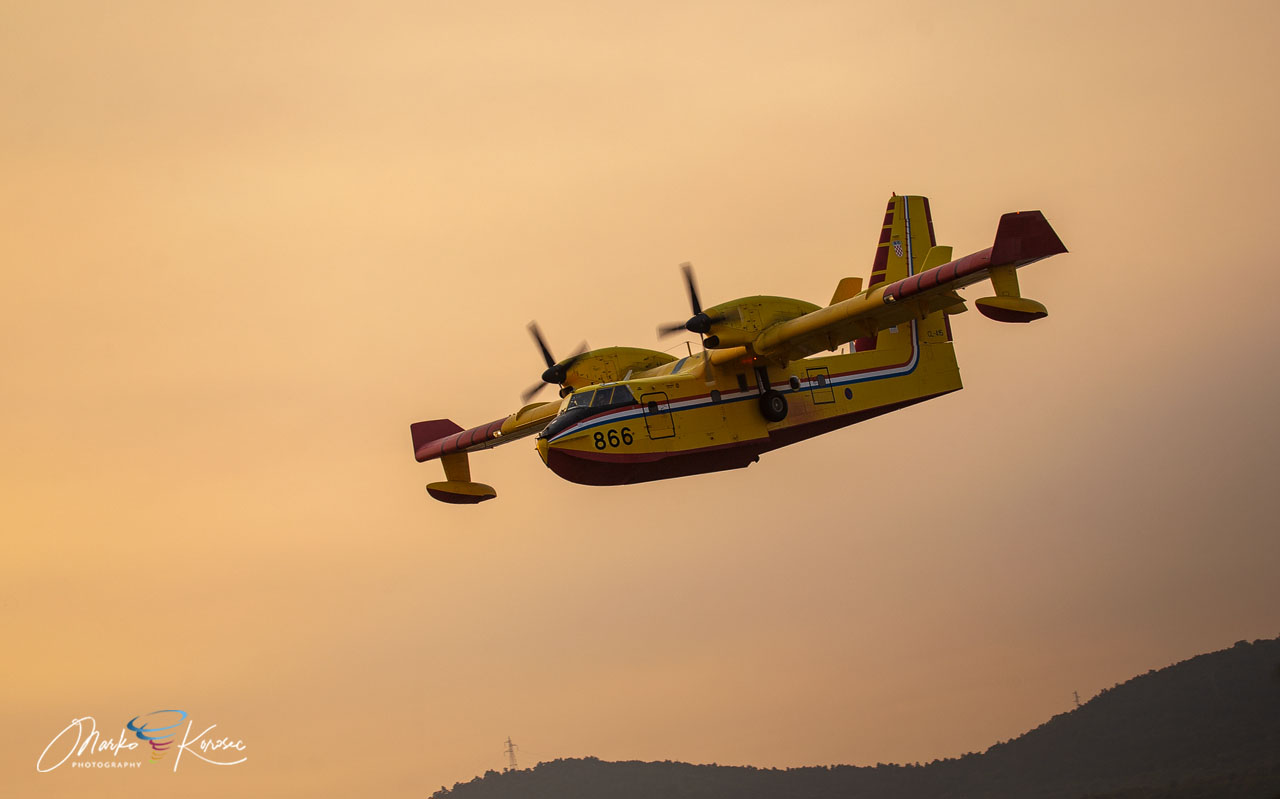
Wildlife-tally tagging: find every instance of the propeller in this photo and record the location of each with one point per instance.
(701, 321)
(557, 371)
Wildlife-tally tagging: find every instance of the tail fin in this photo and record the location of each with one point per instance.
(905, 239)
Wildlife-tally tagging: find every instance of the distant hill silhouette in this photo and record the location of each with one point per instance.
(1208, 727)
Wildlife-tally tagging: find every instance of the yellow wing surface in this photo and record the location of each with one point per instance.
(913, 277)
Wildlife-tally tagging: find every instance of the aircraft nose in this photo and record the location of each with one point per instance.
(542, 450)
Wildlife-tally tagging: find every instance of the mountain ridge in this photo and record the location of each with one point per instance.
(1207, 726)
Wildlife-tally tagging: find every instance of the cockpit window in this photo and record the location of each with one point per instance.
(602, 398)
(614, 397)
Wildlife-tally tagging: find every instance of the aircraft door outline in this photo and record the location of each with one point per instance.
(820, 385)
(657, 415)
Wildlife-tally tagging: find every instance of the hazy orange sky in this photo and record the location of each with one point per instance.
(245, 245)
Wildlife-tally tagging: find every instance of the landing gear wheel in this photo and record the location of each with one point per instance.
(773, 406)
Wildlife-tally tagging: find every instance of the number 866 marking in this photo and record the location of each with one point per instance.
(612, 439)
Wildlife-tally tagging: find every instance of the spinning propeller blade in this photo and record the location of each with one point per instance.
(701, 321)
(687, 268)
(557, 371)
(532, 390)
(536, 332)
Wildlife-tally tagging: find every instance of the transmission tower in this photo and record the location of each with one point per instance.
(1077, 696)
(511, 754)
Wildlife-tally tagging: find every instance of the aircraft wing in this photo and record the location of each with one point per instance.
(447, 441)
(1022, 238)
(440, 437)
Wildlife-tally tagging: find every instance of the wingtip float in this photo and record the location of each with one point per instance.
(762, 381)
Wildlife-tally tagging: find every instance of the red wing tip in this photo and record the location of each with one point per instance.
(1025, 236)
(424, 433)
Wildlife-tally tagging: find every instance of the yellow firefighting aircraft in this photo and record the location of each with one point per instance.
(628, 415)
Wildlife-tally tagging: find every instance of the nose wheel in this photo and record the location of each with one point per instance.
(773, 405)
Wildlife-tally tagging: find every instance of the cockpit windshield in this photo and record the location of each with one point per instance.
(588, 403)
(602, 398)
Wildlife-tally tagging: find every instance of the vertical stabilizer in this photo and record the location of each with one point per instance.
(906, 236)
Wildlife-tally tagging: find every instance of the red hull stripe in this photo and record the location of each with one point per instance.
(649, 457)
